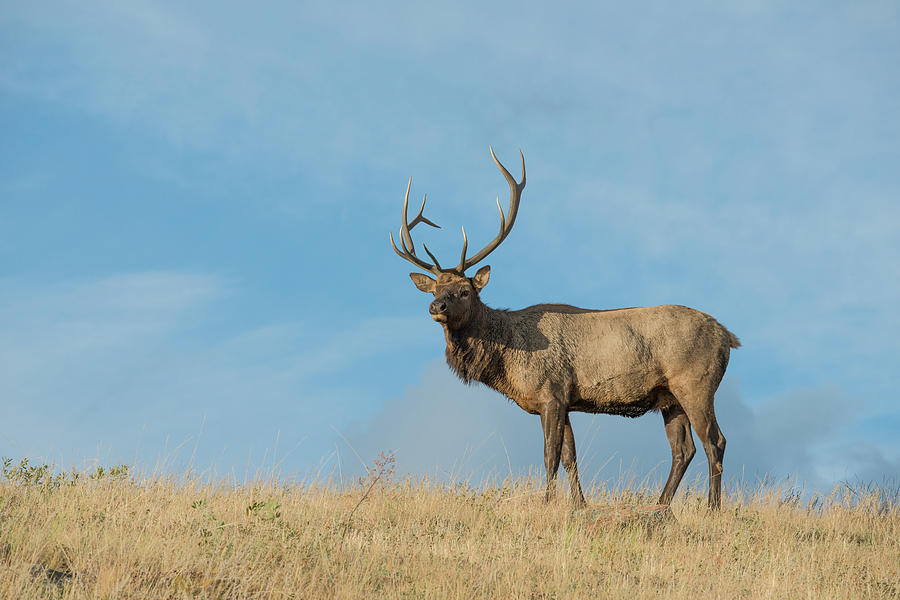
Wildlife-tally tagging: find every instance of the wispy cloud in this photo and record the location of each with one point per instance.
(53, 333)
(69, 347)
(129, 361)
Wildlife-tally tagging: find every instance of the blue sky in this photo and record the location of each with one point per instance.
(195, 200)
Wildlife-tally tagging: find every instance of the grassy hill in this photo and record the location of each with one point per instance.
(111, 534)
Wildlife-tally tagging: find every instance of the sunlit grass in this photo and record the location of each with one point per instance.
(116, 534)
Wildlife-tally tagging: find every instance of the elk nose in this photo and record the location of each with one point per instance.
(437, 307)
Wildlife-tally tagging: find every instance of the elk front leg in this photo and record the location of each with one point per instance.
(553, 421)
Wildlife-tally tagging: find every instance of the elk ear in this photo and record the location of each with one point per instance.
(481, 277)
(423, 282)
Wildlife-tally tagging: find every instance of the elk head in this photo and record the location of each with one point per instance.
(455, 295)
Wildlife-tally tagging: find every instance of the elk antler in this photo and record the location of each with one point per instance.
(506, 225)
(409, 249)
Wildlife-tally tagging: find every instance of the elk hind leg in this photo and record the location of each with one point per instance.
(570, 463)
(678, 430)
(702, 415)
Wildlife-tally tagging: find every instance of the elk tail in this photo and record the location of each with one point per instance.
(733, 340)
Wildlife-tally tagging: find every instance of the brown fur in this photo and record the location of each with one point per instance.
(551, 359)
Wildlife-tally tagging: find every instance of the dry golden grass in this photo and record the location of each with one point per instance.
(124, 536)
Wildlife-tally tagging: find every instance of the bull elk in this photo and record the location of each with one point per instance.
(552, 359)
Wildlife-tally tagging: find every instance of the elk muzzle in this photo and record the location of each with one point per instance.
(438, 310)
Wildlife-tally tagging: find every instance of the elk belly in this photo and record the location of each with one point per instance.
(626, 401)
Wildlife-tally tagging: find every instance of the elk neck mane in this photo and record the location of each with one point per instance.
(475, 351)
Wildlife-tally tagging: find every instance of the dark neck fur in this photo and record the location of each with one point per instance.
(475, 351)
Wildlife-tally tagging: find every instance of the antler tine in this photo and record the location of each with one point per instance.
(462, 259)
(410, 256)
(404, 227)
(406, 241)
(437, 265)
(419, 218)
(514, 195)
(506, 221)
